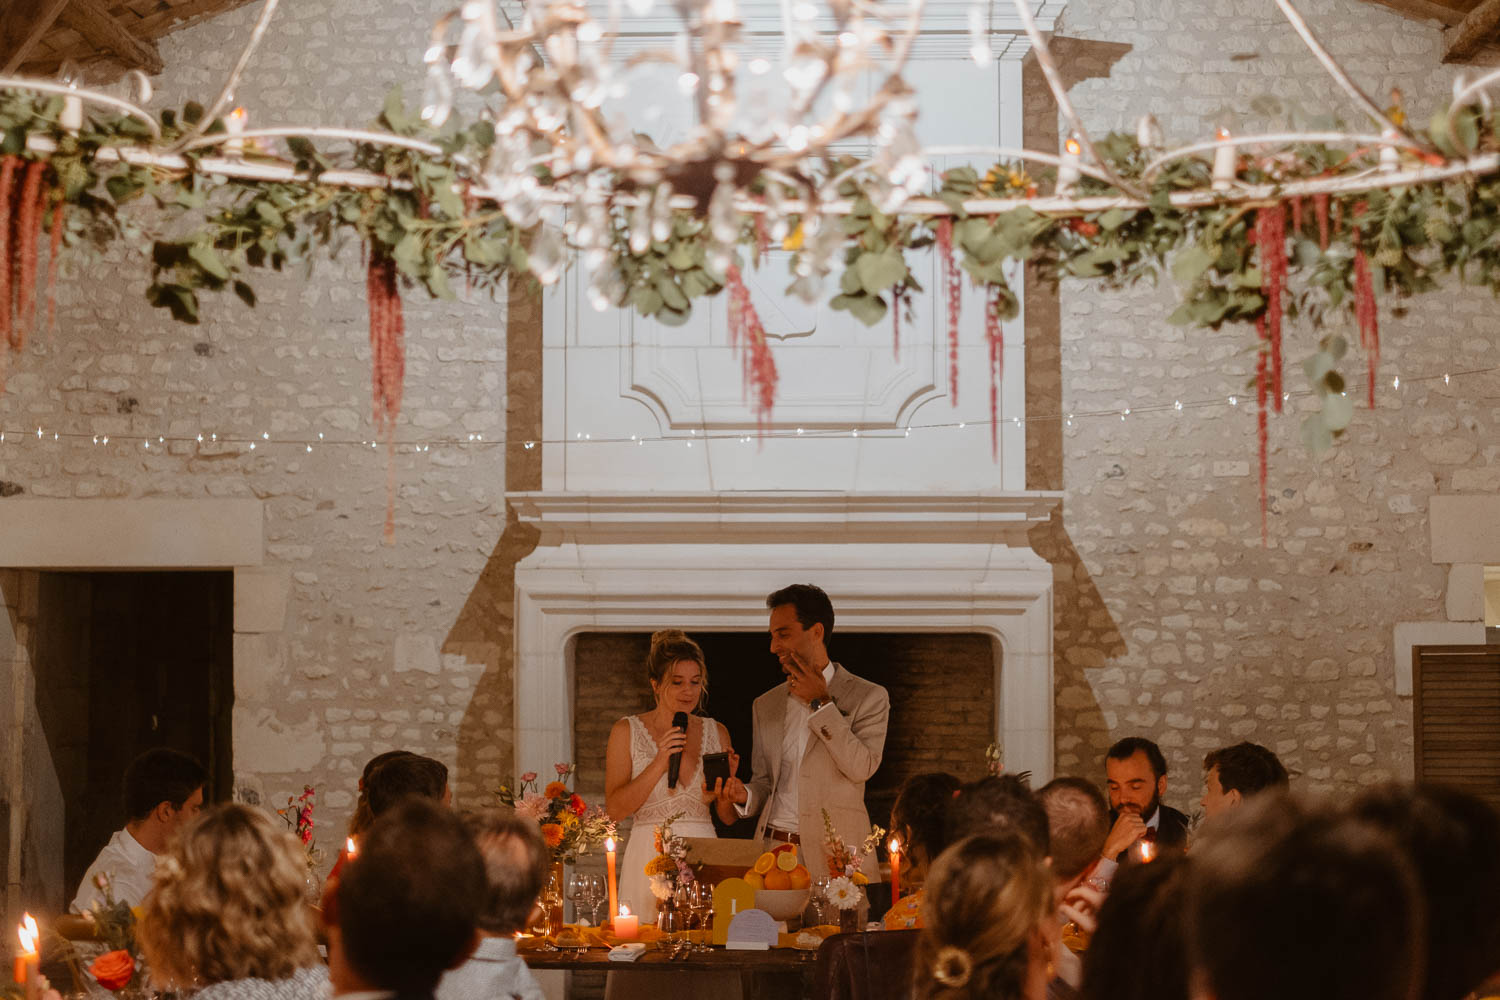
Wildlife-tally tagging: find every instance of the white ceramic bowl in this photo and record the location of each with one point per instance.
(781, 904)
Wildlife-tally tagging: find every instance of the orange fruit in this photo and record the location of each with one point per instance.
(786, 860)
(764, 863)
(755, 880)
(800, 877)
(783, 848)
(778, 879)
(860, 878)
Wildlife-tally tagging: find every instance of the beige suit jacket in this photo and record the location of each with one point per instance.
(844, 746)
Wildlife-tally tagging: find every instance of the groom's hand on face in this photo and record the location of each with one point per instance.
(804, 683)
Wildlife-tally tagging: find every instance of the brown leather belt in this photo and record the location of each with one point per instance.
(783, 836)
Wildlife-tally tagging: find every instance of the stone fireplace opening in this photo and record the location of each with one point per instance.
(125, 662)
(942, 688)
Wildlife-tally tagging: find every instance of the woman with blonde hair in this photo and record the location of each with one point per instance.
(226, 918)
(984, 914)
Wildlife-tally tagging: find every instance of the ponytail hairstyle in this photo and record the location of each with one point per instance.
(669, 647)
(985, 898)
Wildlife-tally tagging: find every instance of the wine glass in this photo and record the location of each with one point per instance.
(577, 893)
(820, 898)
(705, 904)
(595, 893)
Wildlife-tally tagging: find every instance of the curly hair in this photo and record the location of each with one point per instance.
(985, 898)
(669, 647)
(227, 903)
(920, 813)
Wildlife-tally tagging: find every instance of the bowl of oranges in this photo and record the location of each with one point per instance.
(780, 882)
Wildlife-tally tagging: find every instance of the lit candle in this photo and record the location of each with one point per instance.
(234, 124)
(609, 864)
(1067, 173)
(72, 114)
(1226, 162)
(29, 960)
(1390, 156)
(627, 924)
(895, 871)
(351, 849)
(1147, 850)
(1148, 133)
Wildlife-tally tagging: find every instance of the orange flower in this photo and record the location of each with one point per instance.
(552, 833)
(556, 790)
(113, 969)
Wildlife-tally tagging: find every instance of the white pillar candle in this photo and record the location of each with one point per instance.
(72, 114)
(1226, 162)
(1068, 173)
(234, 124)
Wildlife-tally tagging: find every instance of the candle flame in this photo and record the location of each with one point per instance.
(351, 849)
(1148, 851)
(1072, 146)
(609, 844)
(624, 910)
(238, 114)
(1221, 132)
(895, 845)
(28, 933)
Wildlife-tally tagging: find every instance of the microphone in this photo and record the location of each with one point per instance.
(674, 762)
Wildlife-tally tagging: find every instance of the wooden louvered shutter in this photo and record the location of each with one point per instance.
(1456, 717)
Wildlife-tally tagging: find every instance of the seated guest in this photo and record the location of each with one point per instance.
(226, 919)
(1296, 901)
(1234, 773)
(984, 913)
(1452, 839)
(516, 860)
(1136, 776)
(1139, 951)
(1077, 825)
(163, 790)
(360, 821)
(920, 819)
(406, 908)
(995, 803)
(403, 776)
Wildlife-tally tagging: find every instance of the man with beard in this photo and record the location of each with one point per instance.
(1136, 774)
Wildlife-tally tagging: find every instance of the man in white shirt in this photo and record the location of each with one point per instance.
(818, 737)
(163, 790)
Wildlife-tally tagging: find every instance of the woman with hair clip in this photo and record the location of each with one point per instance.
(984, 916)
(636, 766)
(225, 919)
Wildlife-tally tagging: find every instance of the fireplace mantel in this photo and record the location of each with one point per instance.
(934, 562)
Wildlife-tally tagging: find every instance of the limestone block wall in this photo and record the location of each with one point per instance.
(1172, 620)
(344, 646)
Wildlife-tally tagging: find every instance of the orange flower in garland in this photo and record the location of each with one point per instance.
(552, 833)
(555, 790)
(577, 806)
(114, 969)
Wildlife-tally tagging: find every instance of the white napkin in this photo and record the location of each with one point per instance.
(627, 952)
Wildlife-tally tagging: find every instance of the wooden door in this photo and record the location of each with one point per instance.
(1456, 717)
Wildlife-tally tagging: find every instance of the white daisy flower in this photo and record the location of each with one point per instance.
(842, 893)
(661, 887)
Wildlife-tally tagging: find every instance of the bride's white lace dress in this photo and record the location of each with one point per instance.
(635, 888)
(662, 804)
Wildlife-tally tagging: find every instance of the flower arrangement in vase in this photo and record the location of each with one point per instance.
(846, 881)
(669, 870)
(569, 825)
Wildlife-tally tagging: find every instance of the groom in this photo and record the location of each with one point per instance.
(818, 737)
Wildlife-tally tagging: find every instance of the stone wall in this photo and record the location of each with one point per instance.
(1172, 620)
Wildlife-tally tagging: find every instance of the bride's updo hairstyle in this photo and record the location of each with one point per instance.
(984, 900)
(668, 647)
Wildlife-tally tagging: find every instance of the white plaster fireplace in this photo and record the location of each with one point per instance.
(875, 479)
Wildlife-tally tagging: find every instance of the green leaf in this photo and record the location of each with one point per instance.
(123, 188)
(879, 271)
(671, 294)
(1114, 219)
(1190, 263)
(673, 317)
(1316, 437)
(209, 260)
(1338, 410)
(246, 293)
(868, 309)
(1317, 366)
(682, 256)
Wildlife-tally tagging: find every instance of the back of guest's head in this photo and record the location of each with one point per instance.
(1294, 900)
(516, 862)
(1077, 824)
(1453, 841)
(1139, 951)
(227, 902)
(360, 821)
(999, 802)
(985, 900)
(158, 776)
(811, 603)
(920, 813)
(409, 903)
(1246, 768)
(405, 776)
(1131, 745)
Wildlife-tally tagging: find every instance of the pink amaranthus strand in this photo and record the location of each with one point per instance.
(1261, 437)
(746, 333)
(387, 365)
(1270, 238)
(1366, 313)
(994, 336)
(953, 286)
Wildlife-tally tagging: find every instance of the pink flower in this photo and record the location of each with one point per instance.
(529, 776)
(532, 807)
(563, 770)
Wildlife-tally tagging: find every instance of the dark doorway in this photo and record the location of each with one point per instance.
(942, 689)
(127, 662)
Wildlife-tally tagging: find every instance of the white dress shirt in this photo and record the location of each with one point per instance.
(782, 809)
(130, 868)
(495, 972)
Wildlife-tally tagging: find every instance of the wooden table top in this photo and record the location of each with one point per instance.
(776, 960)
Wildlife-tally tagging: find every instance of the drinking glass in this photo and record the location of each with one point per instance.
(596, 892)
(577, 893)
(820, 898)
(705, 900)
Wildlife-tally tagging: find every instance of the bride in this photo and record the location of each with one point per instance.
(640, 748)
(635, 785)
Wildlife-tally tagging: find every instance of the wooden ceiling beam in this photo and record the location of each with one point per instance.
(22, 25)
(1423, 10)
(1473, 33)
(106, 34)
